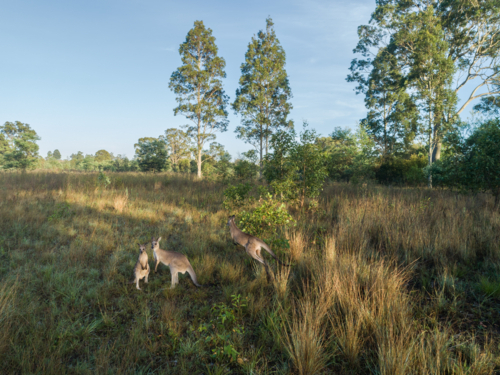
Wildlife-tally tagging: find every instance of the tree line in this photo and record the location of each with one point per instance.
(415, 57)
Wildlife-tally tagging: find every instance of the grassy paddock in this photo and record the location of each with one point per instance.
(384, 280)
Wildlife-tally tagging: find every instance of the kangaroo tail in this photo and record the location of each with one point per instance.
(268, 249)
(193, 276)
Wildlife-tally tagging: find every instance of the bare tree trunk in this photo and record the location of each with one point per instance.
(267, 129)
(199, 162)
(385, 129)
(430, 148)
(261, 150)
(436, 155)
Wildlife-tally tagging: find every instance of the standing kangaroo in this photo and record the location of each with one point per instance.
(252, 244)
(177, 262)
(141, 268)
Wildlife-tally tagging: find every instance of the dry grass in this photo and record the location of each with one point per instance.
(297, 245)
(304, 337)
(389, 281)
(119, 202)
(281, 280)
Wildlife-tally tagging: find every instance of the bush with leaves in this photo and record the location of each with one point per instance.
(308, 159)
(402, 169)
(236, 195)
(296, 169)
(246, 167)
(340, 151)
(473, 163)
(219, 333)
(103, 180)
(266, 222)
(279, 169)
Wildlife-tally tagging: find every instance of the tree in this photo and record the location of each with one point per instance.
(56, 155)
(470, 31)
(18, 145)
(89, 163)
(4, 147)
(264, 93)
(198, 86)
(76, 160)
(178, 145)
(392, 117)
(151, 154)
(490, 105)
(431, 73)
(103, 156)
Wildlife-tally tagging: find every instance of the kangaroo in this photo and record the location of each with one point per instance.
(177, 262)
(141, 269)
(252, 244)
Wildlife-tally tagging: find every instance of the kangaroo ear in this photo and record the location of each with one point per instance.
(152, 238)
(158, 240)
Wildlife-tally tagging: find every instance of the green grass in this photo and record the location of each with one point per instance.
(384, 280)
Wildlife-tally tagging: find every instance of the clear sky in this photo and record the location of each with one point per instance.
(94, 74)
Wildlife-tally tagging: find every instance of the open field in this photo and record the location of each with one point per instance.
(384, 280)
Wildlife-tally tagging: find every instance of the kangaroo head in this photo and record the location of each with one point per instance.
(155, 244)
(230, 220)
(142, 248)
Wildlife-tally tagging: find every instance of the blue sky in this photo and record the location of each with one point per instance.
(94, 74)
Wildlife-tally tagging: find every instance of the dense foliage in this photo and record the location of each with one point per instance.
(18, 147)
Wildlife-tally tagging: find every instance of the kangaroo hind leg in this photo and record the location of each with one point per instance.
(258, 257)
(175, 277)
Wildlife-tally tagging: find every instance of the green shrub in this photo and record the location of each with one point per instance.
(103, 180)
(219, 332)
(245, 169)
(400, 170)
(264, 220)
(235, 196)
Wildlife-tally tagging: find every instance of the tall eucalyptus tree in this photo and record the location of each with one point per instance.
(264, 93)
(198, 85)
